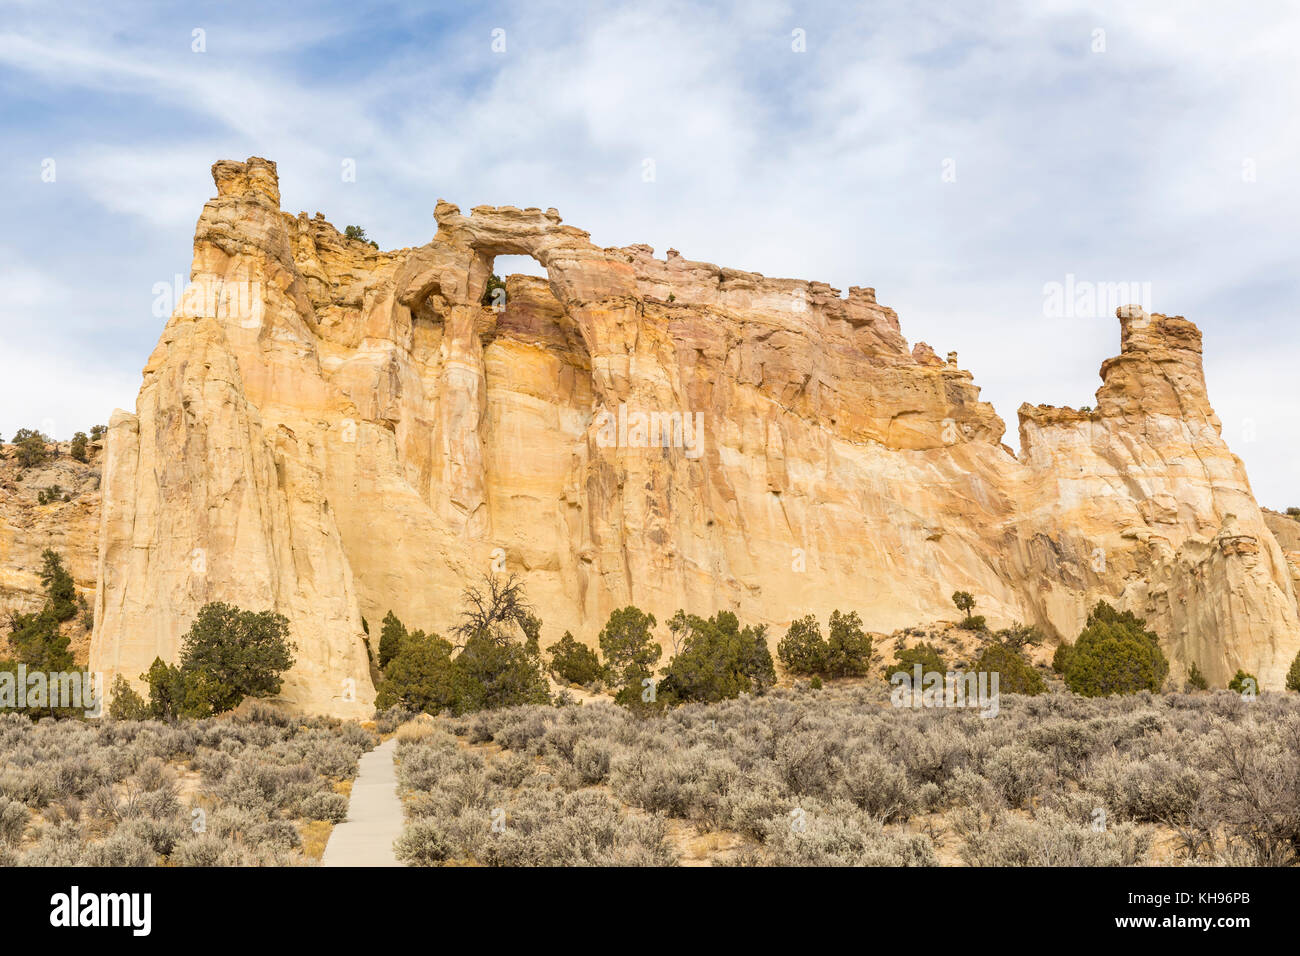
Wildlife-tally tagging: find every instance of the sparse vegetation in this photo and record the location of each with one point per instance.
(835, 778)
(1019, 636)
(359, 234)
(494, 283)
(1195, 680)
(31, 447)
(53, 493)
(231, 791)
(965, 603)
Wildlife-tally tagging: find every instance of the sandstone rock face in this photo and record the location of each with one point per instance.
(28, 527)
(336, 431)
(1286, 528)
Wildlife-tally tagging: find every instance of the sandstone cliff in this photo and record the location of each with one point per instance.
(68, 523)
(335, 431)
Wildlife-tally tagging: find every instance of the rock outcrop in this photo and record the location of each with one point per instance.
(54, 505)
(1286, 528)
(336, 431)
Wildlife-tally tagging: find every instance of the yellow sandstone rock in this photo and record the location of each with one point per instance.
(336, 431)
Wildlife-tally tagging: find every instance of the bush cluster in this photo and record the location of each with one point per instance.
(76, 793)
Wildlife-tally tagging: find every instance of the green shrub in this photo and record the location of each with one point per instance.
(359, 234)
(849, 647)
(53, 493)
(494, 282)
(227, 654)
(1242, 682)
(1019, 635)
(1293, 675)
(492, 669)
(36, 637)
(718, 660)
(630, 650)
(1115, 654)
(574, 663)
(59, 586)
(1195, 680)
(420, 676)
(390, 639)
(78, 449)
(906, 659)
(32, 448)
(39, 642)
(1061, 659)
(1015, 674)
(491, 674)
(966, 604)
(125, 703)
(237, 653)
(803, 650)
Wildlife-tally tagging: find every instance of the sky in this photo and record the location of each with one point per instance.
(960, 158)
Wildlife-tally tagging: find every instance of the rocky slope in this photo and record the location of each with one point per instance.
(335, 431)
(1286, 528)
(67, 522)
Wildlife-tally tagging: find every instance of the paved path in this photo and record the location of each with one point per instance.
(375, 818)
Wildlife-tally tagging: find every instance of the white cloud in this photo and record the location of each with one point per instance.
(58, 393)
(1123, 165)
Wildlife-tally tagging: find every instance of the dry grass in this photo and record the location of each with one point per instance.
(413, 731)
(314, 834)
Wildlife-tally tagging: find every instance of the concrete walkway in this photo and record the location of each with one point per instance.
(375, 817)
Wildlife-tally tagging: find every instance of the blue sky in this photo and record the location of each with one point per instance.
(1167, 154)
